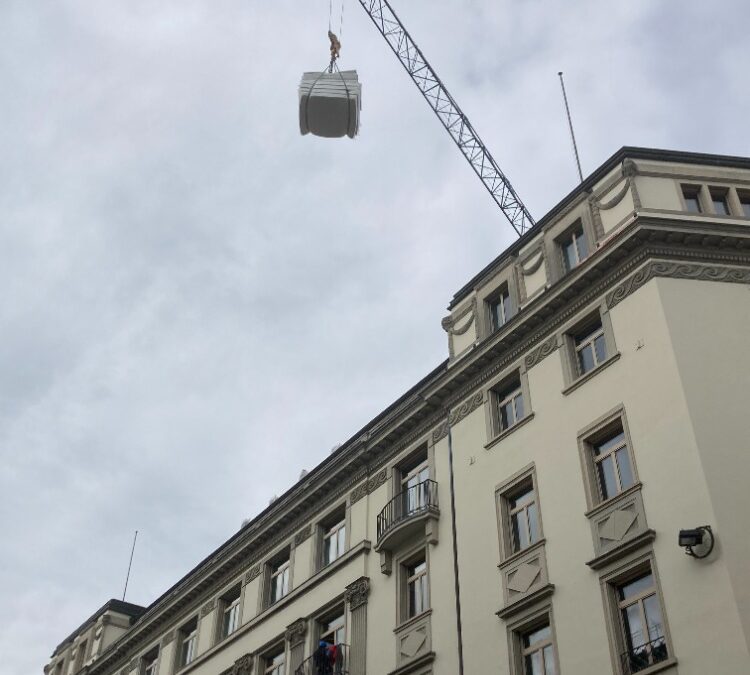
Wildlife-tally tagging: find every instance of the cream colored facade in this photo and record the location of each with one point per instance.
(667, 290)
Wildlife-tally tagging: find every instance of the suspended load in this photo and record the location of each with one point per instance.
(329, 103)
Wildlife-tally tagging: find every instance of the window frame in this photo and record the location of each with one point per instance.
(594, 433)
(628, 570)
(692, 191)
(501, 386)
(225, 603)
(504, 492)
(324, 618)
(720, 194)
(532, 619)
(572, 375)
(267, 667)
(419, 458)
(572, 234)
(501, 296)
(186, 633)
(417, 555)
(743, 202)
(150, 660)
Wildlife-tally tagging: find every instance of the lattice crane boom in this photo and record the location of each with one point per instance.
(449, 113)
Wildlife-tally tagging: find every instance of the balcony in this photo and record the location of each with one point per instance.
(411, 513)
(333, 660)
(644, 656)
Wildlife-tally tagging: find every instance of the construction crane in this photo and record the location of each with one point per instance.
(449, 113)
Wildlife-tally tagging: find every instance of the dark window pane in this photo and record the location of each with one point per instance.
(586, 359)
(636, 586)
(601, 349)
(519, 407)
(653, 617)
(583, 248)
(520, 531)
(506, 415)
(745, 201)
(538, 635)
(522, 499)
(569, 255)
(634, 626)
(586, 334)
(626, 472)
(692, 203)
(533, 523)
(720, 205)
(607, 480)
(604, 446)
(534, 664)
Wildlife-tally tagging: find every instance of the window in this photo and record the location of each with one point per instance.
(273, 664)
(59, 668)
(334, 537)
(333, 629)
(538, 651)
(641, 624)
(518, 513)
(500, 308)
(719, 201)
(414, 486)
(691, 195)
(81, 655)
(417, 593)
(524, 518)
(614, 472)
(279, 580)
(187, 642)
(509, 405)
(574, 248)
(230, 612)
(150, 662)
(744, 198)
(590, 347)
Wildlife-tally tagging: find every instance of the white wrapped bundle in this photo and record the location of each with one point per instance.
(329, 104)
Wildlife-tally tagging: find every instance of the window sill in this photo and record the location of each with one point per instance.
(660, 667)
(504, 434)
(525, 602)
(519, 554)
(594, 371)
(408, 623)
(622, 549)
(601, 506)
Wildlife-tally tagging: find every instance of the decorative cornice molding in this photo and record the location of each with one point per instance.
(369, 486)
(243, 665)
(547, 347)
(133, 664)
(357, 592)
(295, 632)
(465, 409)
(302, 535)
(167, 638)
(252, 573)
(701, 272)
(208, 608)
(526, 271)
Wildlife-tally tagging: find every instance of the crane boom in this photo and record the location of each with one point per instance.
(449, 113)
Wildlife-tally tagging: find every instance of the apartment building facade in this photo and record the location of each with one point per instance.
(518, 510)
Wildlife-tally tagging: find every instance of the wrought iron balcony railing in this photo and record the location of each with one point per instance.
(414, 501)
(331, 660)
(644, 656)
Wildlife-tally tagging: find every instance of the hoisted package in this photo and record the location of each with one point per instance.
(329, 104)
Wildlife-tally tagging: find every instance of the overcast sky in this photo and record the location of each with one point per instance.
(197, 302)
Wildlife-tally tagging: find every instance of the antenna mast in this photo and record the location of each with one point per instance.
(570, 124)
(127, 577)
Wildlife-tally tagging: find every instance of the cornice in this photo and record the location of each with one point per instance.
(695, 251)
